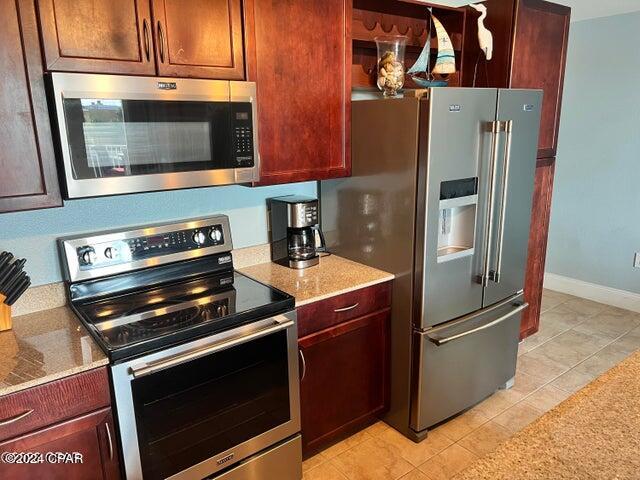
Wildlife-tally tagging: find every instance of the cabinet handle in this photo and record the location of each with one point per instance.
(106, 427)
(11, 420)
(304, 364)
(160, 41)
(145, 32)
(346, 309)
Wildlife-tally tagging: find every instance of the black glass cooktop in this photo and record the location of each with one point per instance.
(146, 320)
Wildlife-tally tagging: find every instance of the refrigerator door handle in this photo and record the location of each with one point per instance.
(508, 127)
(442, 341)
(495, 131)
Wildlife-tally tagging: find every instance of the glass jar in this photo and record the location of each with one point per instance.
(391, 63)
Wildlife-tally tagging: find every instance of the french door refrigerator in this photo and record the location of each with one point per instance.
(440, 195)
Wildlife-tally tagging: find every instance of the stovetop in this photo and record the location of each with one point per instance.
(146, 288)
(146, 320)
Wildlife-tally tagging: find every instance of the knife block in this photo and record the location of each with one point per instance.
(5, 315)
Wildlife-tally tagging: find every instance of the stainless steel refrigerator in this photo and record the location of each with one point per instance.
(440, 195)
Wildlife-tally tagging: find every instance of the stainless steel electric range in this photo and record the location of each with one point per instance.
(203, 359)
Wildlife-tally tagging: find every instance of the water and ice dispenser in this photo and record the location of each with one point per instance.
(457, 218)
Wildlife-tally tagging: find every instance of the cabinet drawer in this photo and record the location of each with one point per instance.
(332, 311)
(90, 435)
(52, 402)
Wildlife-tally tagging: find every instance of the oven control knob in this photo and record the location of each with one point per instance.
(199, 237)
(215, 234)
(88, 257)
(110, 253)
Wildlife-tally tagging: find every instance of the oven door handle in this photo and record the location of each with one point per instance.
(278, 323)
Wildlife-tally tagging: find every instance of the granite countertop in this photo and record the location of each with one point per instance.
(333, 276)
(45, 346)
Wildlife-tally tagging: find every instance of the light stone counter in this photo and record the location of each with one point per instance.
(45, 346)
(48, 341)
(333, 276)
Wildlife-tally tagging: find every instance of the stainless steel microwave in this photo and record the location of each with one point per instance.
(120, 134)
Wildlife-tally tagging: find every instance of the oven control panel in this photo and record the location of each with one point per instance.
(148, 246)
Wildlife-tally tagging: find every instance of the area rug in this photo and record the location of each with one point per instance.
(595, 434)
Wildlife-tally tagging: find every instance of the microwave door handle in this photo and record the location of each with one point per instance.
(495, 131)
(279, 323)
(503, 203)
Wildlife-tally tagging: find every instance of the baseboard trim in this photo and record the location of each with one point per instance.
(592, 291)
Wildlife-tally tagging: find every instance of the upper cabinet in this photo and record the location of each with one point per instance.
(100, 36)
(28, 177)
(182, 38)
(530, 40)
(199, 38)
(539, 56)
(299, 54)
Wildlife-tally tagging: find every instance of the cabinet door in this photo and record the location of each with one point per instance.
(299, 53)
(28, 177)
(101, 36)
(540, 215)
(91, 436)
(199, 38)
(539, 57)
(344, 377)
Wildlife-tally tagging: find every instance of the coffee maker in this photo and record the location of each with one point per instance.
(294, 223)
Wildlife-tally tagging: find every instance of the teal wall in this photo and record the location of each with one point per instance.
(595, 217)
(32, 234)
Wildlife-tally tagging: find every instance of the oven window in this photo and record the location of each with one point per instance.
(191, 412)
(120, 138)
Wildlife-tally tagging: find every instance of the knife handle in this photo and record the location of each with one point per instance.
(17, 291)
(14, 269)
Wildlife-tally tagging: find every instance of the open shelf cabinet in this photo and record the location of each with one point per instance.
(372, 18)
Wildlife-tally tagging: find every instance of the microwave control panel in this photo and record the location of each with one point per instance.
(242, 131)
(116, 252)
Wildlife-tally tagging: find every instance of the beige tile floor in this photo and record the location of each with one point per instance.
(578, 340)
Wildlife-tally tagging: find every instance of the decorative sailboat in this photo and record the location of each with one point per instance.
(445, 61)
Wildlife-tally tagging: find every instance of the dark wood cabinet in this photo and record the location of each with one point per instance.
(540, 216)
(182, 38)
(345, 367)
(199, 38)
(530, 39)
(69, 415)
(102, 36)
(88, 441)
(530, 50)
(539, 56)
(28, 177)
(299, 53)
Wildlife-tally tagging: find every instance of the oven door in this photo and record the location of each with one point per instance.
(195, 409)
(123, 134)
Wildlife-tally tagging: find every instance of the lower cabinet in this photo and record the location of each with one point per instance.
(63, 430)
(83, 448)
(345, 378)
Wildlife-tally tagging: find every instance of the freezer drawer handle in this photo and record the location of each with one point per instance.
(508, 126)
(506, 316)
